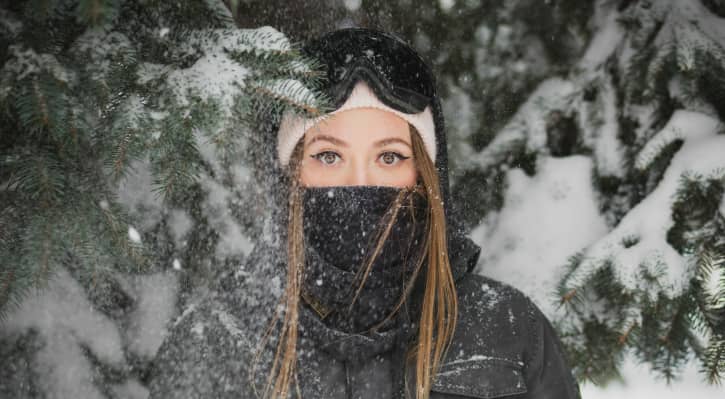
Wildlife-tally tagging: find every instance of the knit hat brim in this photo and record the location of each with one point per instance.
(293, 127)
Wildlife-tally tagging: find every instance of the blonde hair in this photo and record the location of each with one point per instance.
(439, 309)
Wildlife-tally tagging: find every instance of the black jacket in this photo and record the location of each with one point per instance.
(503, 346)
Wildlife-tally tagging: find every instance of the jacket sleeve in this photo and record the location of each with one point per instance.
(547, 371)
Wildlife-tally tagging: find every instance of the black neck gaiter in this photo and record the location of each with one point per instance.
(341, 225)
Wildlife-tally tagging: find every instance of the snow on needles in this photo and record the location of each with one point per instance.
(67, 322)
(640, 239)
(215, 75)
(683, 125)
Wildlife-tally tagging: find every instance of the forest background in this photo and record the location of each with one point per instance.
(587, 160)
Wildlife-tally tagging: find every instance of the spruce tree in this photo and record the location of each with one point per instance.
(122, 121)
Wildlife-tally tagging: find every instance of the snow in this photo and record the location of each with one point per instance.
(544, 220)
(602, 135)
(213, 76)
(136, 194)
(608, 35)
(352, 5)
(683, 125)
(232, 239)
(639, 383)
(180, 223)
(458, 103)
(446, 5)
(527, 126)
(712, 285)
(24, 62)
(146, 328)
(552, 215)
(66, 322)
(133, 235)
(649, 221)
(98, 47)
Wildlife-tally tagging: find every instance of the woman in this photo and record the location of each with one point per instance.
(379, 298)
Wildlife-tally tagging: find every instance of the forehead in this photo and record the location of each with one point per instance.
(361, 125)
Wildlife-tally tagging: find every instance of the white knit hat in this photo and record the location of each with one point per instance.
(293, 126)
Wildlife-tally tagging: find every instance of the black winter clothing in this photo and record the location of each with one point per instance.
(503, 345)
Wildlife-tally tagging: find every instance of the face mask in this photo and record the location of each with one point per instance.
(341, 226)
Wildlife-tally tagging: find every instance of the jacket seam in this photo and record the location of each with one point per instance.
(535, 335)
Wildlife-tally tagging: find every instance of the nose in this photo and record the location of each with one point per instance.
(359, 175)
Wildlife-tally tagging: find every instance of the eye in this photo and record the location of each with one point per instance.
(391, 158)
(327, 157)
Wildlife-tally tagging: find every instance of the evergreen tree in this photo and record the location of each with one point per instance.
(129, 136)
(104, 102)
(645, 103)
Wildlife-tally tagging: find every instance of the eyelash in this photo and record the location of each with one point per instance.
(319, 156)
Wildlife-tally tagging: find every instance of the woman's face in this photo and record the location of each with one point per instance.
(359, 147)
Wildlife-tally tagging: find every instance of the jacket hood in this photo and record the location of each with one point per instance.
(462, 251)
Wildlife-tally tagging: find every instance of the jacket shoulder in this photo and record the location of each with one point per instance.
(503, 345)
(494, 320)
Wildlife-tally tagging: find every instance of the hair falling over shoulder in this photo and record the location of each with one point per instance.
(439, 308)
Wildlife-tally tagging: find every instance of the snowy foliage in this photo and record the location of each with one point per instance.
(130, 167)
(614, 258)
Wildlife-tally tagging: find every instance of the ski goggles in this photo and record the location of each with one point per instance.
(396, 73)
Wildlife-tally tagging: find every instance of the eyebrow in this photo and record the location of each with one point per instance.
(342, 143)
(333, 140)
(391, 140)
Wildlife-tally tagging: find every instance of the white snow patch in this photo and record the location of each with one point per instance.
(683, 125)
(24, 62)
(231, 238)
(460, 126)
(155, 306)
(600, 125)
(446, 5)
(67, 321)
(134, 235)
(544, 220)
(605, 41)
(649, 221)
(215, 75)
(352, 5)
(639, 382)
(179, 223)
